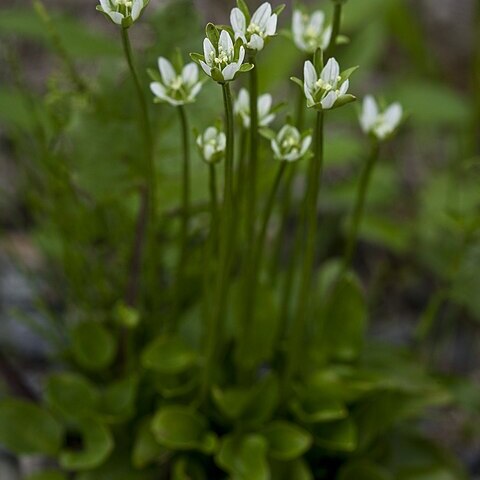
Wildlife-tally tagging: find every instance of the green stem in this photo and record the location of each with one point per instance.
(144, 123)
(214, 330)
(146, 213)
(336, 24)
(311, 200)
(360, 206)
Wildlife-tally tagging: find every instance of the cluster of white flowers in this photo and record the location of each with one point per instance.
(310, 31)
(242, 108)
(262, 25)
(176, 88)
(212, 144)
(380, 124)
(289, 145)
(222, 62)
(327, 90)
(122, 12)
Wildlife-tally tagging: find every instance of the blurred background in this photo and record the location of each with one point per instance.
(419, 254)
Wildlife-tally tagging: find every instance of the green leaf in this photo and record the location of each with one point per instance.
(345, 319)
(263, 402)
(212, 33)
(246, 67)
(232, 402)
(181, 428)
(286, 441)
(245, 10)
(298, 82)
(117, 402)
(295, 470)
(278, 10)
(197, 57)
(244, 457)
(71, 394)
(97, 444)
(186, 468)
(315, 408)
(26, 428)
(338, 436)
(94, 347)
(168, 355)
(146, 449)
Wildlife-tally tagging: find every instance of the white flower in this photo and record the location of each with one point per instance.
(122, 12)
(242, 108)
(212, 144)
(223, 62)
(329, 90)
(310, 31)
(289, 145)
(176, 88)
(263, 24)
(378, 123)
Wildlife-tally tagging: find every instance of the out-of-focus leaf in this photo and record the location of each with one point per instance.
(286, 441)
(26, 428)
(146, 448)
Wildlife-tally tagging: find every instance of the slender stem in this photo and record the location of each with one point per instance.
(337, 21)
(311, 200)
(215, 328)
(266, 216)
(213, 203)
(186, 201)
(148, 193)
(359, 206)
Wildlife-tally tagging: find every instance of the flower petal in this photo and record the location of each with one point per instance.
(329, 100)
(272, 25)
(256, 42)
(310, 76)
(316, 21)
(344, 87)
(369, 113)
(262, 15)
(210, 134)
(106, 6)
(267, 120)
(239, 22)
(137, 8)
(194, 91)
(307, 141)
(331, 72)
(243, 101)
(393, 115)
(116, 17)
(166, 71)
(225, 41)
(276, 149)
(264, 104)
(208, 50)
(190, 74)
(229, 71)
(206, 68)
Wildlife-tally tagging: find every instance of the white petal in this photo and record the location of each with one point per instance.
(393, 116)
(307, 141)
(206, 68)
(190, 74)
(369, 113)
(106, 6)
(229, 71)
(329, 101)
(262, 15)
(316, 21)
(256, 42)
(344, 87)
(136, 9)
(238, 21)
(291, 157)
(326, 37)
(208, 49)
(166, 70)
(243, 101)
(266, 121)
(195, 91)
(331, 72)
(210, 134)
(208, 151)
(117, 17)
(297, 23)
(310, 76)
(225, 41)
(276, 149)
(264, 104)
(221, 141)
(283, 131)
(272, 25)
(158, 89)
(241, 56)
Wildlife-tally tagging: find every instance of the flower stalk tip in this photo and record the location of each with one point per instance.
(123, 12)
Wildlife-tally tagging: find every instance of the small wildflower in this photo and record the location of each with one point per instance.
(242, 109)
(222, 59)
(122, 12)
(310, 31)
(381, 124)
(329, 89)
(176, 88)
(212, 144)
(263, 25)
(289, 145)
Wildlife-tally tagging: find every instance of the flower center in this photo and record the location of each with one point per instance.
(123, 6)
(290, 144)
(253, 28)
(223, 57)
(177, 84)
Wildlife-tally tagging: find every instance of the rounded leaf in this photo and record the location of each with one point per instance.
(26, 428)
(94, 347)
(168, 355)
(286, 441)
